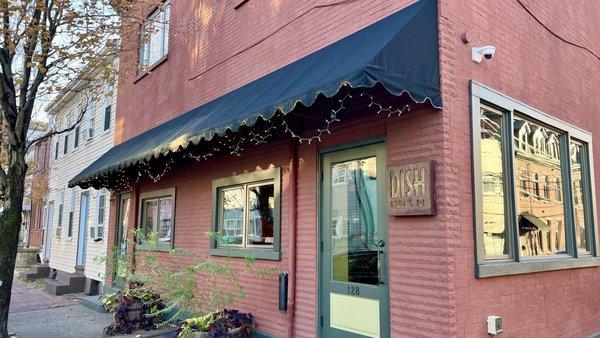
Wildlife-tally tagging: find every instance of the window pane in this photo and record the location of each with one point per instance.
(150, 216)
(540, 214)
(354, 224)
(166, 221)
(156, 34)
(76, 140)
(166, 23)
(107, 117)
(232, 204)
(494, 225)
(261, 203)
(101, 207)
(578, 196)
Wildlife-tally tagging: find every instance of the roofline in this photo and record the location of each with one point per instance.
(68, 93)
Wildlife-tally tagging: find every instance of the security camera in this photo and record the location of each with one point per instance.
(478, 53)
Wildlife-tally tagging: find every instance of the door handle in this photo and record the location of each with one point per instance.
(381, 243)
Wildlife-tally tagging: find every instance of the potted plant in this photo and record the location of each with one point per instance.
(226, 323)
(136, 309)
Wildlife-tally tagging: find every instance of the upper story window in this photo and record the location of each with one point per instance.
(246, 215)
(537, 225)
(76, 136)
(107, 107)
(154, 37)
(66, 144)
(89, 112)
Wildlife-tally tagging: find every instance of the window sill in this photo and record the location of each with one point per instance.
(266, 254)
(151, 68)
(167, 247)
(495, 269)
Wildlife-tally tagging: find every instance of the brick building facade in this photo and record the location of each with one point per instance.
(439, 280)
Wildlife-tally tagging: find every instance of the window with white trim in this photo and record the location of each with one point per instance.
(61, 200)
(70, 211)
(89, 111)
(154, 37)
(97, 228)
(107, 110)
(523, 211)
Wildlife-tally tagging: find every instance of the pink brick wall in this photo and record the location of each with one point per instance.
(534, 67)
(208, 34)
(418, 246)
(433, 288)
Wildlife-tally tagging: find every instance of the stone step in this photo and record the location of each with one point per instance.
(92, 287)
(93, 302)
(71, 278)
(38, 271)
(65, 282)
(58, 288)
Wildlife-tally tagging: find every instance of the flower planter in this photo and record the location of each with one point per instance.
(134, 311)
(232, 333)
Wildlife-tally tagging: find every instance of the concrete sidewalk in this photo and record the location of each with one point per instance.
(67, 321)
(29, 296)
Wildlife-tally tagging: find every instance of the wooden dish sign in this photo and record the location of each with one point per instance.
(410, 189)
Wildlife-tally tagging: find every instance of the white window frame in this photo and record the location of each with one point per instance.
(70, 211)
(107, 102)
(96, 223)
(60, 210)
(89, 111)
(162, 13)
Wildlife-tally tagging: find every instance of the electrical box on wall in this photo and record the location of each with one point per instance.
(494, 324)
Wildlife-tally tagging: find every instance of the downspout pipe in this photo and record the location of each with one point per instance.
(292, 236)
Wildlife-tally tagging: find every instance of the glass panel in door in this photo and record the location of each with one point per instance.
(354, 226)
(120, 262)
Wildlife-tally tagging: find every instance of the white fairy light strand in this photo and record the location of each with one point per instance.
(234, 143)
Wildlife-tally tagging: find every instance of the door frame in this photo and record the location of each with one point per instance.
(118, 230)
(82, 229)
(381, 141)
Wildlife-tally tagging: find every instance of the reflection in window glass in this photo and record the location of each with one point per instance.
(150, 215)
(261, 203)
(494, 224)
(165, 214)
(354, 226)
(232, 208)
(541, 215)
(578, 196)
(155, 37)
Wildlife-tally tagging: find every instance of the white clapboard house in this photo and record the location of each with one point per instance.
(75, 244)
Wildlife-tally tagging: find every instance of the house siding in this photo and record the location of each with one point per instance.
(64, 250)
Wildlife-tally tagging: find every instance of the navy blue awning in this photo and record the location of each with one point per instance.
(399, 52)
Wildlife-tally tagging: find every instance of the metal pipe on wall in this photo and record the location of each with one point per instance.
(293, 179)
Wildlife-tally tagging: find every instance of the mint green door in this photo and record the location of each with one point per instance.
(123, 213)
(354, 294)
